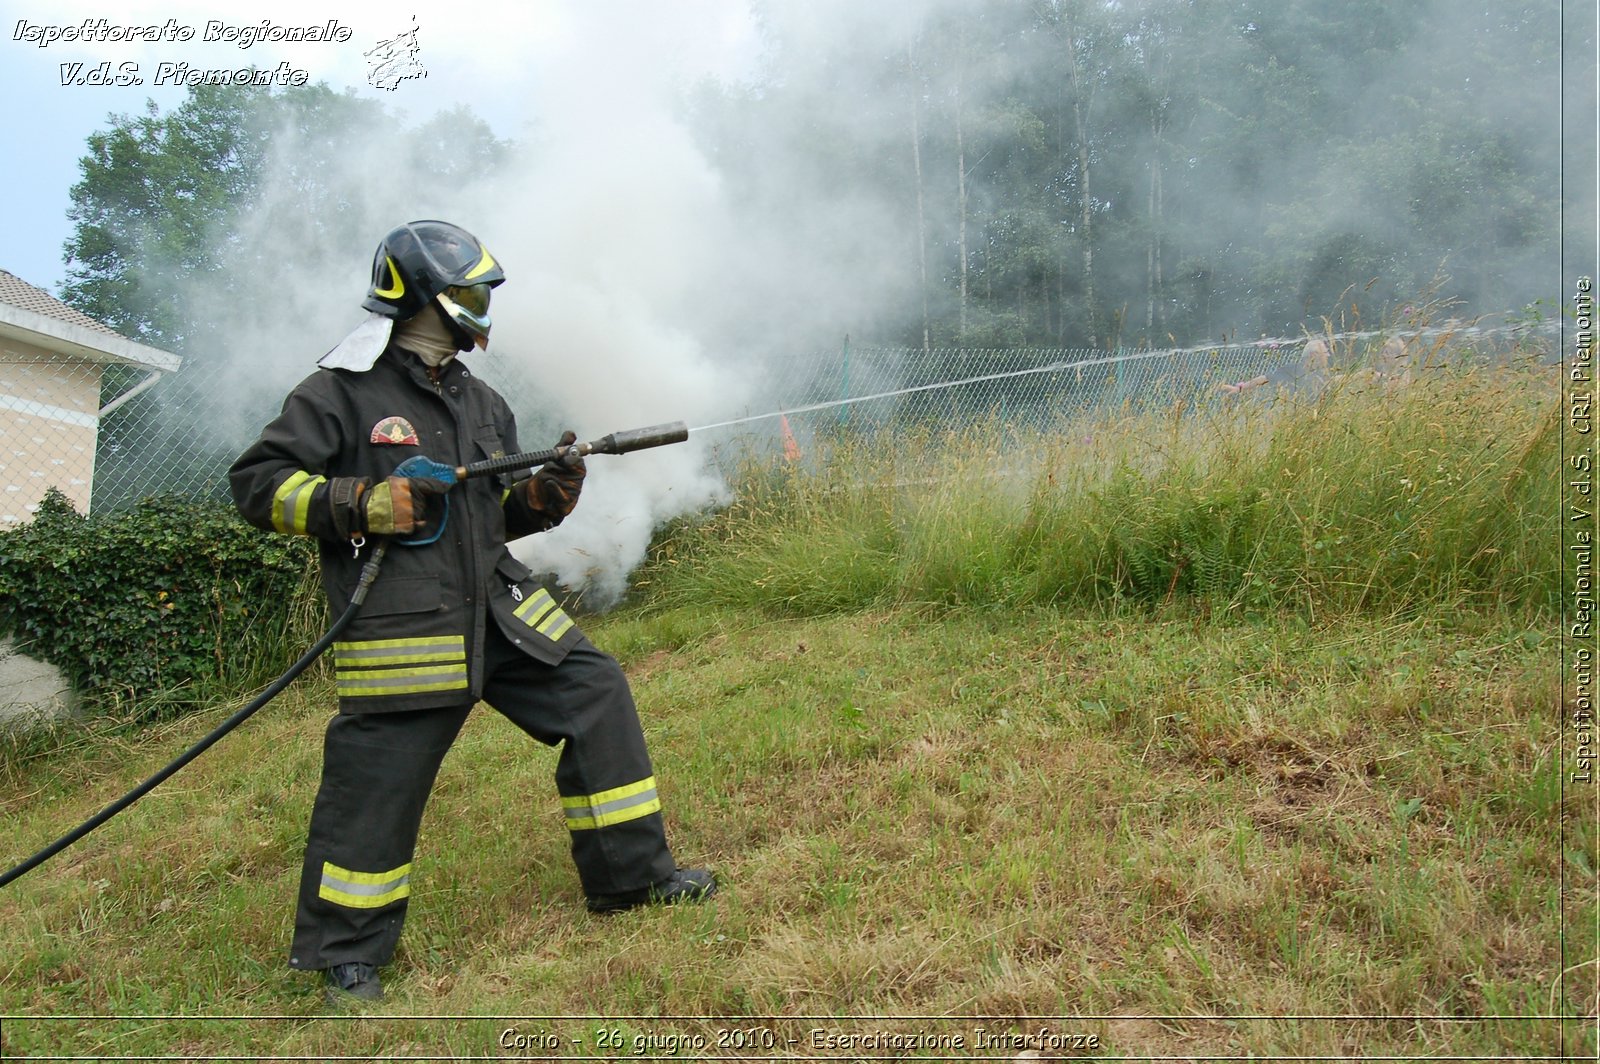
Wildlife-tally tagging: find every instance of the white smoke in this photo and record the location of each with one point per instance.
(608, 220)
(608, 226)
(629, 263)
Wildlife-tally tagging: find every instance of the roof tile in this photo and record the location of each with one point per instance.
(19, 293)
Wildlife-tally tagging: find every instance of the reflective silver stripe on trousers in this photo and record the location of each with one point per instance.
(604, 812)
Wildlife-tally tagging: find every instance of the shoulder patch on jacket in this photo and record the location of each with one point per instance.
(394, 429)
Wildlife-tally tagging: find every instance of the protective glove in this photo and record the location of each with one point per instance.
(397, 505)
(552, 492)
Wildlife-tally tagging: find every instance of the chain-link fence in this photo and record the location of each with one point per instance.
(106, 433)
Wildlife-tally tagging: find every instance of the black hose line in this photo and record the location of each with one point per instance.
(369, 573)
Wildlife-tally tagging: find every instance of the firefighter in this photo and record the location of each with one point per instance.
(452, 619)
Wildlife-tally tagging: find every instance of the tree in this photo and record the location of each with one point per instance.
(1096, 172)
(204, 230)
(174, 206)
(155, 190)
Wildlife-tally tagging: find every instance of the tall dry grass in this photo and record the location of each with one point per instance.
(1437, 492)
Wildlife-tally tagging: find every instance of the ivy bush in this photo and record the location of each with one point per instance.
(171, 593)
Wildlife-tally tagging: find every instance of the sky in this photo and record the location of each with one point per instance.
(494, 57)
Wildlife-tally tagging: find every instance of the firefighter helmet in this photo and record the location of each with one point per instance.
(435, 262)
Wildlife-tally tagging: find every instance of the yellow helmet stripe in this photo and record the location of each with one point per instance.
(399, 288)
(484, 265)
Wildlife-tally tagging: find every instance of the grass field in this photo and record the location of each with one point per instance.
(1225, 735)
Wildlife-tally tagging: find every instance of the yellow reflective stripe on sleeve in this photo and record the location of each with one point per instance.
(364, 890)
(291, 503)
(616, 806)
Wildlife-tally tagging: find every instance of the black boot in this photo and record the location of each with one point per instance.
(686, 884)
(355, 980)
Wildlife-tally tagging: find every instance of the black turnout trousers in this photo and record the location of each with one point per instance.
(378, 769)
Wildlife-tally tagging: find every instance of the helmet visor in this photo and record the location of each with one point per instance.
(468, 307)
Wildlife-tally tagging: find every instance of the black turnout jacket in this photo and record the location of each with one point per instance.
(418, 641)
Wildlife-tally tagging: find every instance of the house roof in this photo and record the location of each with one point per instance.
(19, 293)
(32, 315)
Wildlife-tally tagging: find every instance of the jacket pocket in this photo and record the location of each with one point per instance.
(530, 616)
(488, 444)
(540, 615)
(512, 570)
(403, 594)
(409, 653)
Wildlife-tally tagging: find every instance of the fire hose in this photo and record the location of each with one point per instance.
(415, 466)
